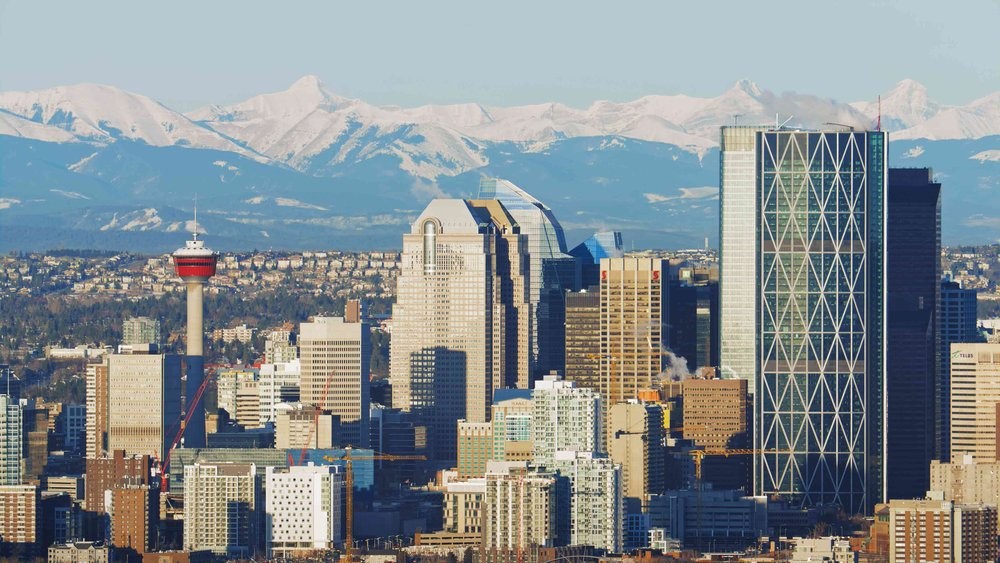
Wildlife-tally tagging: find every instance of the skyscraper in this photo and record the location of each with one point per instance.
(632, 314)
(11, 444)
(738, 252)
(143, 402)
(596, 507)
(520, 507)
(552, 271)
(975, 401)
(583, 337)
(461, 318)
(814, 212)
(957, 324)
(913, 274)
(334, 357)
(97, 410)
(565, 418)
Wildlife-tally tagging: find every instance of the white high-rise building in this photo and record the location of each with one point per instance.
(520, 507)
(278, 383)
(597, 508)
(11, 441)
(303, 509)
(566, 418)
(738, 253)
(335, 356)
(221, 509)
(461, 318)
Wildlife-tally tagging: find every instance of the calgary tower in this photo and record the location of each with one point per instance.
(195, 263)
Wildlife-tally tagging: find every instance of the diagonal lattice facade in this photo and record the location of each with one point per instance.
(820, 285)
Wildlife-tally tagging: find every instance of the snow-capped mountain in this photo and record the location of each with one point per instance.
(313, 130)
(978, 119)
(905, 106)
(96, 166)
(98, 113)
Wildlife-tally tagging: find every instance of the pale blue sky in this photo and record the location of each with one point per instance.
(502, 53)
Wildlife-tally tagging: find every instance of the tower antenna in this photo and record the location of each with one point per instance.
(195, 216)
(878, 123)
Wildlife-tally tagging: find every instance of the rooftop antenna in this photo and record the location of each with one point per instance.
(878, 123)
(195, 216)
(785, 122)
(736, 119)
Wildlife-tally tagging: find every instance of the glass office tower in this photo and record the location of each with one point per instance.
(819, 300)
(552, 272)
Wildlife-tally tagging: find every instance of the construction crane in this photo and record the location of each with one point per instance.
(349, 487)
(190, 408)
(698, 455)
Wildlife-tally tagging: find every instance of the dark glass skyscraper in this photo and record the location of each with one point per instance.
(819, 299)
(913, 273)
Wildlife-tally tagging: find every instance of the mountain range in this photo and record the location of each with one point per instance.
(99, 167)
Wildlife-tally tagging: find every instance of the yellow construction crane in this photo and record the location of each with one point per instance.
(349, 487)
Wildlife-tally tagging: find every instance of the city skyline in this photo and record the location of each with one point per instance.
(795, 364)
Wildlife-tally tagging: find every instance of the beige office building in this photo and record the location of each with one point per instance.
(461, 321)
(512, 419)
(300, 426)
(475, 448)
(635, 441)
(143, 401)
(632, 303)
(463, 506)
(975, 400)
(334, 358)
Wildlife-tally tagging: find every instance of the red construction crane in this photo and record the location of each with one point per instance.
(190, 408)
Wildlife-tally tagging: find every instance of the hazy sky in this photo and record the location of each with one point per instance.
(186, 53)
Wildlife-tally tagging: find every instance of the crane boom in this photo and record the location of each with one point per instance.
(349, 486)
(180, 432)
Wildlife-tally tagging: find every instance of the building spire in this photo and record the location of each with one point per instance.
(195, 216)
